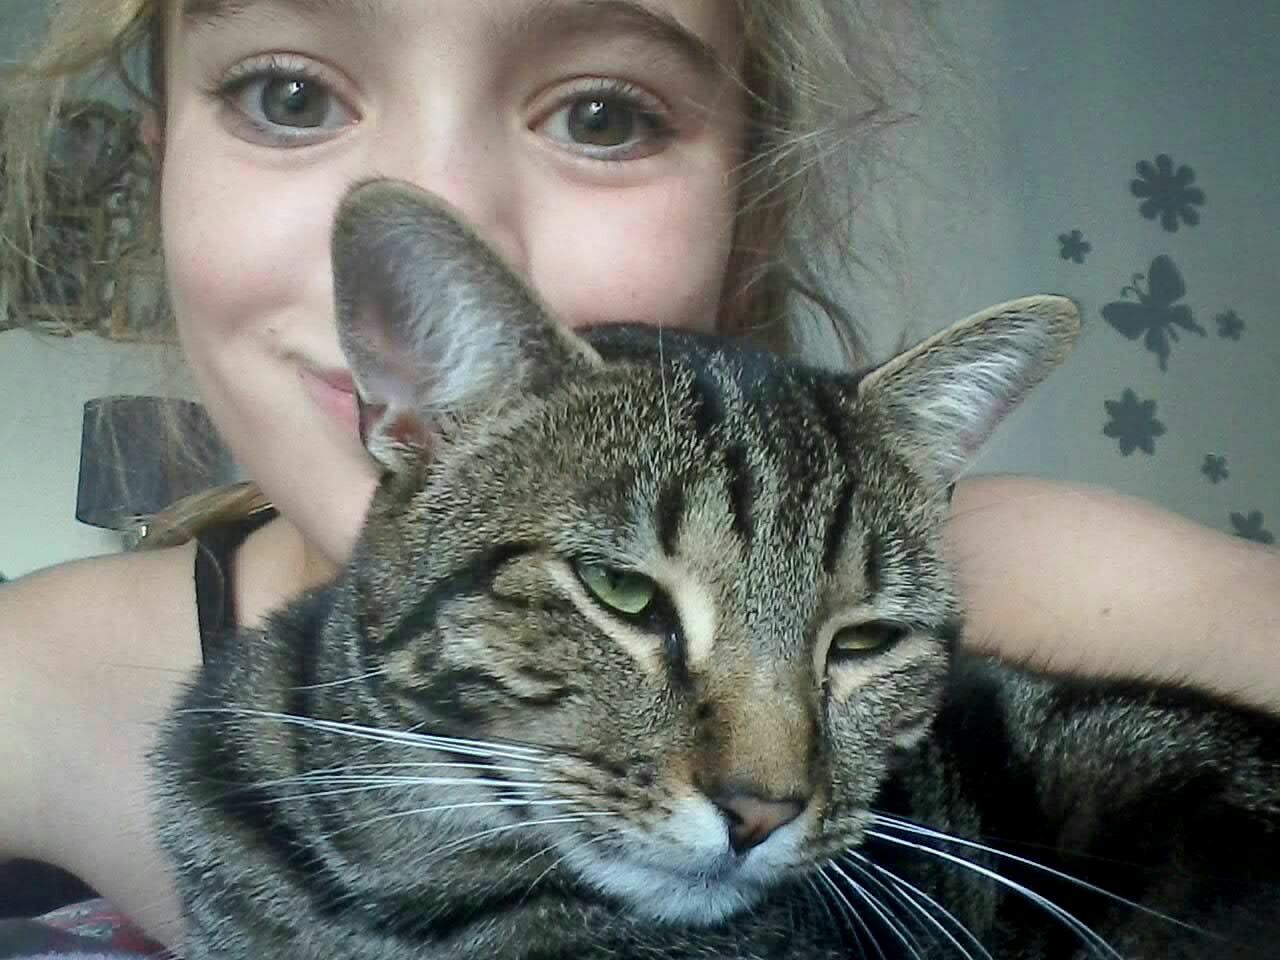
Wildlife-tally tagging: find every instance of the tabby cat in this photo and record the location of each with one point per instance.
(648, 650)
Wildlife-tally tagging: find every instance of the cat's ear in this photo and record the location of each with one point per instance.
(945, 396)
(435, 326)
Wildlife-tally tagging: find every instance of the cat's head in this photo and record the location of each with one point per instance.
(691, 594)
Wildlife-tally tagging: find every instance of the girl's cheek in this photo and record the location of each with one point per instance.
(660, 262)
(234, 251)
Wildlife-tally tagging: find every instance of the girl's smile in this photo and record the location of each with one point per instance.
(333, 391)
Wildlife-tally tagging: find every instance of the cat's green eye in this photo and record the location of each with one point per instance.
(860, 639)
(620, 590)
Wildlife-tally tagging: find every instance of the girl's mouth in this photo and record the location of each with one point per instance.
(334, 392)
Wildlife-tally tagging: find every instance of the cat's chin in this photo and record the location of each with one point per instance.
(683, 870)
(671, 897)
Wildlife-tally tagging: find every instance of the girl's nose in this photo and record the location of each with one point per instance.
(466, 160)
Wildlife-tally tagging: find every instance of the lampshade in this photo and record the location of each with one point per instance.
(130, 464)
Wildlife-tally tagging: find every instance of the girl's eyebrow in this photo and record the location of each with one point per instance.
(559, 18)
(575, 19)
(204, 12)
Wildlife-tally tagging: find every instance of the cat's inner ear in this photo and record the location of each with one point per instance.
(945, 396)
(435, 326)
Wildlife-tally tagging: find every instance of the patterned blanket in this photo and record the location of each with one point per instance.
(86, 931)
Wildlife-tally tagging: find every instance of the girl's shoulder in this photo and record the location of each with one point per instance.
(89, 606)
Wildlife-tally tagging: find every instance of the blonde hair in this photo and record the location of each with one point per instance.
(823, 78)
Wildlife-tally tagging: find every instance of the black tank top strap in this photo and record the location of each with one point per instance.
(215, 593)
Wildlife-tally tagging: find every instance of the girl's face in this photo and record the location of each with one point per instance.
(592, 142)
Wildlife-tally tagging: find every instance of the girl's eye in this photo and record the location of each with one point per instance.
(293, 102)
(283, 106)
(621, 591)
(601, 123)
(614, 123)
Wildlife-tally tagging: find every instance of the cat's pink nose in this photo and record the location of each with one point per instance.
(752, 819)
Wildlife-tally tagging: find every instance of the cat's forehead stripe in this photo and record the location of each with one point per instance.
(741, 491)
(669, 515)
(837, 526)
(706, 401)
(696, 610)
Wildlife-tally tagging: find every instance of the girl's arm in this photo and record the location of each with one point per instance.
(1082, 579)
(92, 656)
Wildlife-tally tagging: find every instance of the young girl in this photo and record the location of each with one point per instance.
(647, 160)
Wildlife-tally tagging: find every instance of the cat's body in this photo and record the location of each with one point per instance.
(655, 656)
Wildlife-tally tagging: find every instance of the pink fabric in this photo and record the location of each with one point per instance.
(86, 931)
(96, 920)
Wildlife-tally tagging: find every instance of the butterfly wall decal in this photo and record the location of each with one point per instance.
(1156, 314)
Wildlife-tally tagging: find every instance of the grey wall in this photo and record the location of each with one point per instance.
(44, 382)
(19, 21)
(1040, 133)
(1056, 123)
(1107, 106)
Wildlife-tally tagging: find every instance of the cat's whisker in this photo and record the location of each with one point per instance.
(364, 784)
(907, 826)
(500, 802)
(346, 773)
(419, 765)
(850, 911)
(911, 896)
(1088, 935)
(461, 805)
(818, 892)
(560, 859)
(507, 828)
(877, 908)
(894, 898)
(463, 843)
(662, 374)
(390, 781)
(538, 879)
(340, 683)
(479, 748)
(458, 805)
(799, 917)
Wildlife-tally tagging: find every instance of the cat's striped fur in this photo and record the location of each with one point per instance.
(472, 746)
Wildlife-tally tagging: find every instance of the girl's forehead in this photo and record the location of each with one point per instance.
(702, 28)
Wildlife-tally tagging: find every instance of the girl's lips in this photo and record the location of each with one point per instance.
(334, 392)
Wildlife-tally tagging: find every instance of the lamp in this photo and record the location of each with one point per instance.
(130, 466)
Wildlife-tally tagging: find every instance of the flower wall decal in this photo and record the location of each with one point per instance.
(1167, 193)
(1230, 326)
(1133, 423)
(1215, 468)
(1251, 527)
(1073, 246)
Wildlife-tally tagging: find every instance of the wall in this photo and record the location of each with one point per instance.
(1110, 107)
(1038, 133)
(19, 21)
(44, 382)
(1175, 389)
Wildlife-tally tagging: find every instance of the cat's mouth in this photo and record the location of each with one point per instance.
(704, 894)
(687, 872)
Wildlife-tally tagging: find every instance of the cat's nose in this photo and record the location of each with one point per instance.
(753, 819)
